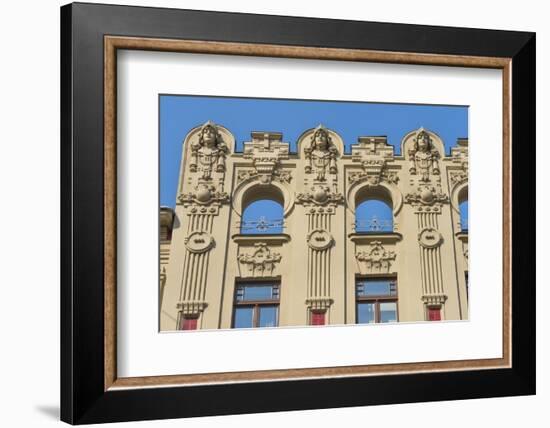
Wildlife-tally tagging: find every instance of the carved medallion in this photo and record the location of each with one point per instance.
(430, 238)
(199, 242)
(320, 240)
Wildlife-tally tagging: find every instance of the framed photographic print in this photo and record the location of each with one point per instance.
(266, 213)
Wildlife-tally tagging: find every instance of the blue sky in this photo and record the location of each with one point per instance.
(179, 114)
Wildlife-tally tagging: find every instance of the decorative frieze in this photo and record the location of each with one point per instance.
(376, 259)
(260, 263)
(278, 175)
(373, 177)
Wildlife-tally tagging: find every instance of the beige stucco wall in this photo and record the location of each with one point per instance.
(319, 256)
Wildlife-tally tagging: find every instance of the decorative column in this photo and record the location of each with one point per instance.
(206, 177)
(320, 201)
(427, 199)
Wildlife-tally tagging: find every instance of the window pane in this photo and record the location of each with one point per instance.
(268, 316)
(317, 318)
(373, 216)
(365, 313)
(376, 287)
(257, 292)
(243, 317)
(388, 312)
(434, 314)
(188, 323)
(464, 216)
(264, 216)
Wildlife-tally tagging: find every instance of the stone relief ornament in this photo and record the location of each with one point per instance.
(204, 194)
(373, 154)
(426, 195)
(373, 177)
(459, 153)
(320, 240)
(423, 157)
(261, 262)
(199, 242)
(430, 238)
(458, 177)
(321, 154)
(266, 150)
(376, 258)
(319, 195)
(209, 152)
(277, 175)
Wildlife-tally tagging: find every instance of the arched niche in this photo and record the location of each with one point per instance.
(407, 143)
(226, 136)
(459, 193)
(362, 190)
(253, 189)
(305, 140)
(263, 215)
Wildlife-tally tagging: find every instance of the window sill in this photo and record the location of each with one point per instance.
(462, 235)
(276, 238)
(384, 237)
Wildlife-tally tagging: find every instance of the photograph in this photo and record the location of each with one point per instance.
(292, 212)
(278, 220)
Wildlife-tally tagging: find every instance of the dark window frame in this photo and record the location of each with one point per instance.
(376, 299)
(256, 305)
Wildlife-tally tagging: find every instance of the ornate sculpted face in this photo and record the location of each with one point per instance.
(208, 136)
(321, 140)
(423, 142)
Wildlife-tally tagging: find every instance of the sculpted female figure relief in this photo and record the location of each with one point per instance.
(423, 157)
(208, 151)
(321, 154)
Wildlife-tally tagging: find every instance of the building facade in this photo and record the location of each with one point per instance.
(319, 257)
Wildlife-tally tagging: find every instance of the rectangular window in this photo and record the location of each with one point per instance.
(376, 300)
(188, 323)
(317, 318)
(256, 305)
(434, 314)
